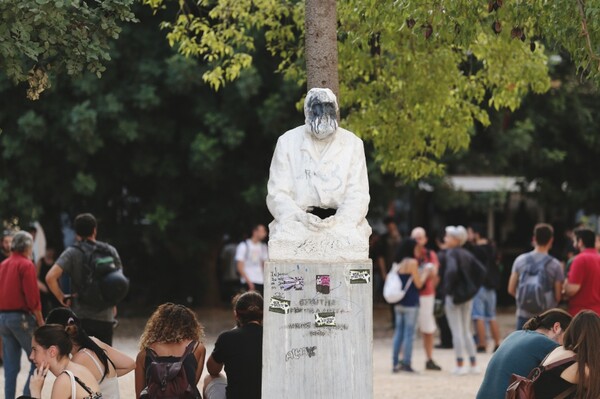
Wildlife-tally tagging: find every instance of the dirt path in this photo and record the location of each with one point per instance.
(425, 384)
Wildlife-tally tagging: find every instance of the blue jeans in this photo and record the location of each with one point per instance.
(521, 322)
(406, 322)
(16, 330)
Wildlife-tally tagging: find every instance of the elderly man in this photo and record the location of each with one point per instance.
(20, 309)
(318, 191)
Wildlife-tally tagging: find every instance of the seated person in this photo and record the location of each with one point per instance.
(523, 350)
(579, 376)
(240, 352)
(50, 349)
(104, 362)
(170, 332)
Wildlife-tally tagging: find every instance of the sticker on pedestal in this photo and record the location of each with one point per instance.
(323, 283)
(278, 305)
(360, 276)
(325, 319)
(286, 283)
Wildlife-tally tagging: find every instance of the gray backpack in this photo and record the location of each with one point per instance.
(533, 286)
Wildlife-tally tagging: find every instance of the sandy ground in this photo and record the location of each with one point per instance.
(424, 384)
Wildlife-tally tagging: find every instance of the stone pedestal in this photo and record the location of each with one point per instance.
(318, 330)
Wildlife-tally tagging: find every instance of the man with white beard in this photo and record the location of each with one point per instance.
(318, 190)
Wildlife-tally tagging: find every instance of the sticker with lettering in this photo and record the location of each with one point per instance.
(323, 283)
(325, 319)
(360, 276)
(278, 305)
(286, 283)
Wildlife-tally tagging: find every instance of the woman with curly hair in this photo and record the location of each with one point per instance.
(579, 375)
(240, 352)
(171, 331)
(104, 362)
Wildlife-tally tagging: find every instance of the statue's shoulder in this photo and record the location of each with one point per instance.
(294, 135)
(348, 136)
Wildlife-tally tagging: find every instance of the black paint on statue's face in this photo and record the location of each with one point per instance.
(322, 118)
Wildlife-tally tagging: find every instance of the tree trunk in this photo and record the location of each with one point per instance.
(321, 45)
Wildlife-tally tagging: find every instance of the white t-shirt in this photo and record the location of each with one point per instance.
(253, 255)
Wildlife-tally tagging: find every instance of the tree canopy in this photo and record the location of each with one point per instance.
(40, 38)
(414, 76)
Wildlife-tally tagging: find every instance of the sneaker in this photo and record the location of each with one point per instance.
(474, 370)
(481, 349)
(396, 369)
(407, 368)
(430, 365)
(460, 371)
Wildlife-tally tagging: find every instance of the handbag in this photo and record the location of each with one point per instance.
(522, 387)
(393, 291)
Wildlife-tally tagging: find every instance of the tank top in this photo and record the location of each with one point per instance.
(550, 384)
(109, 386)
(411, 298)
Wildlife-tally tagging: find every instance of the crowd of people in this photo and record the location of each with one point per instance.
(452, 288)
(556, 349)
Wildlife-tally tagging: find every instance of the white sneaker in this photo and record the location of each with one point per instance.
(474, 370)
(460, 371)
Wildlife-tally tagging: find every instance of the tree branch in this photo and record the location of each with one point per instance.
(585, 32)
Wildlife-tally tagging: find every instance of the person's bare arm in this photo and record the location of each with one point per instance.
(123, 363)
(140, 373)
(240, 268)
(213, 367)
(52, 280)
(558, 288)
(512, 283)
(418, 279)
(199, 354)
(571, 288)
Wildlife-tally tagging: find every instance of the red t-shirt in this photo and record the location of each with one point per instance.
(585, 271)
(428, 256)
(18, 285)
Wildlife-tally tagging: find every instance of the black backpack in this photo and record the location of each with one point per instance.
(167, 379)
(104, 284)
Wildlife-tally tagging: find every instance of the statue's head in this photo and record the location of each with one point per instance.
(320, 111)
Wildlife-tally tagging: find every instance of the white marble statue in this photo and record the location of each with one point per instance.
(318, 190)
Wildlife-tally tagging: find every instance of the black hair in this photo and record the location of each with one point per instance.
(54, 334)
(547, 319)
(543, 233)
(587, 237)
(72, 326)
(85, 224)
(478, 228)
(406, 250)
(248, 307)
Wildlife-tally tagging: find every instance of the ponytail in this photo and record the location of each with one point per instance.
(547, 319)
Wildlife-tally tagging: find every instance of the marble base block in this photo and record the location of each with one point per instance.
(318, 330)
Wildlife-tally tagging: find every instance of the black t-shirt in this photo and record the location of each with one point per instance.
(240, 350)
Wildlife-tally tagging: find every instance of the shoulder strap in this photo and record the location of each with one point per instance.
(82, 384)
(560, 362)
(73, 389)
(189, 349)
(84, 350)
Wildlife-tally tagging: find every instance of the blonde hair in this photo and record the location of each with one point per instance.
(171, 323)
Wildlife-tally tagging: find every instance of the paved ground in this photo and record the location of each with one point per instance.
(425, 384)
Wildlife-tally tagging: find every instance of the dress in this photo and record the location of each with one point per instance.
(550, 384)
